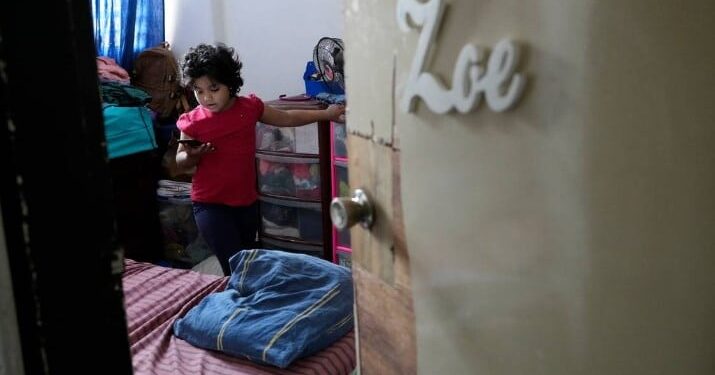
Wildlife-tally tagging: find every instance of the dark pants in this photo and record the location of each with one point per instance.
(227, 230)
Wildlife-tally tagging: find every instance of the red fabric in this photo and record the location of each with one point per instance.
(155, 296)
(228, 174)
(109, 70)
(301, 171)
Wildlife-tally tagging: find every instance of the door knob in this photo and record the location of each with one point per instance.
(346, 212)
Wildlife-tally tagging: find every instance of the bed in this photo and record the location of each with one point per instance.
(155, 297)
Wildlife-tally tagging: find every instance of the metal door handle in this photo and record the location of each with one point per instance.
(346, 212)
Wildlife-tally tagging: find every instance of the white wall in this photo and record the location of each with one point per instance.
(274, 38)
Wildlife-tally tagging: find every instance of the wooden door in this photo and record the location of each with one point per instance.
(380, 263)
(571, 234)
(380, 257)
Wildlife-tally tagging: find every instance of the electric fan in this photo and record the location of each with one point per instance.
(328, 60)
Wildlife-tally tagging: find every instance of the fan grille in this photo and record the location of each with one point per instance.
(328, 60)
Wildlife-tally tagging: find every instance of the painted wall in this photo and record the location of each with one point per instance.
(274, 38)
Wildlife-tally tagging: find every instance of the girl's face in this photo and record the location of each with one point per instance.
(212, 95)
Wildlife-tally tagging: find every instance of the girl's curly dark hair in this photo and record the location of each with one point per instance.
(218, 62)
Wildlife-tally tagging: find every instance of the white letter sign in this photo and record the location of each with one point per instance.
(501, 86)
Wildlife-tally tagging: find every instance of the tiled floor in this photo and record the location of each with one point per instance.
(209, 266)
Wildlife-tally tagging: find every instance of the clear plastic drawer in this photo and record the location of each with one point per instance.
(302, 139)
(340, 149)
(292, 219)
(286, 176)
(344, 259)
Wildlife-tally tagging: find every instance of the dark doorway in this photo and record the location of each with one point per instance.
(56, 193)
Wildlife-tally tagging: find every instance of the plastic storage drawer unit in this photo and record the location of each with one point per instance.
(292, 246)
(344, 259)
(340, 149)
(343, 190)
(292, 219)
(300, 140)
(288, 176)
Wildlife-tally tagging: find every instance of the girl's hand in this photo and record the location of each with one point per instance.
(187, 156)
(336, 112)
(196, 152)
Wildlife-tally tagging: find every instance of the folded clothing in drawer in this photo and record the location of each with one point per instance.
(293, 177)
(292, 219)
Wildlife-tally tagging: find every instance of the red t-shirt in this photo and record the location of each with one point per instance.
(228, 174)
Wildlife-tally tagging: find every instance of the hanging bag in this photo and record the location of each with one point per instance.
(157, 72)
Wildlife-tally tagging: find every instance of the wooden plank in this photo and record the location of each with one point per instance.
(381, 272)
(402, 259)
(386, 326)
(371, 169)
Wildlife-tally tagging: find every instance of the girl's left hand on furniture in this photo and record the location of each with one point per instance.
(336, 112)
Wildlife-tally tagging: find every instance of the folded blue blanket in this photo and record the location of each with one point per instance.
(277, 307)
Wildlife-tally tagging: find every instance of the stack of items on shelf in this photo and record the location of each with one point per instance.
(183, 245)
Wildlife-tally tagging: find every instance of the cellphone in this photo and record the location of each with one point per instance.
(190, 142)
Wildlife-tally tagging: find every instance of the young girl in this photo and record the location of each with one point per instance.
(224, 196)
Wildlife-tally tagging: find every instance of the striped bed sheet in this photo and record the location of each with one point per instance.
(155, 296)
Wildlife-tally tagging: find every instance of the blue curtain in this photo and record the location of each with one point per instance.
(123, 28)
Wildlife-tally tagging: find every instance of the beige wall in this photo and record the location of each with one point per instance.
(575, 233)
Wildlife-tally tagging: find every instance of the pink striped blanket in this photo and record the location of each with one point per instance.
(155, 296)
